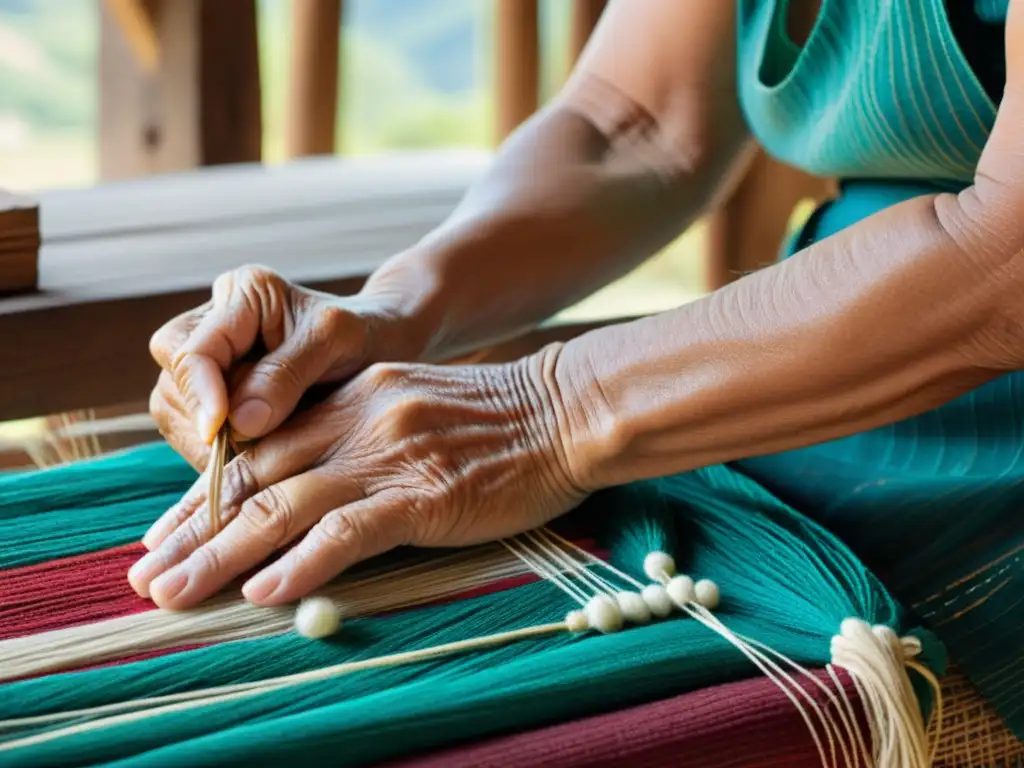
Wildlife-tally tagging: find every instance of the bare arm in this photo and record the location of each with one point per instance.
(891, 317)
(625, 158)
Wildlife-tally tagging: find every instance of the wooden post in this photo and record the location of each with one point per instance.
(199, 105)
(136, 19)
(585, 14)
(19, 243)
(517, 63)
(746, 233)
(313, 95)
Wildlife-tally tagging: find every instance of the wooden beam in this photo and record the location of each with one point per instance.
(517, 63)
(122, 426)
(71, 356)
(121, 259)
(585, 14)
(19, 243)
(96, 354)
(137, 21)
(315, 59)
(748, 231)
(200, 106)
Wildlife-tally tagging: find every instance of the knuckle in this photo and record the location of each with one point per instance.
(261, 290)
(269, 515)
(183, 373)
(330, 321)
(385, 375)
(188, 538)
(419, 506)
(277, 373)
(420, 517)
(337, 331)
(209, 558)
(257, 274)
(408, 415)
(340, 527)
(173, 335)
(240, 480)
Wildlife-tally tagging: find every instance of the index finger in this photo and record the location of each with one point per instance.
(172, 335)
(224, 333)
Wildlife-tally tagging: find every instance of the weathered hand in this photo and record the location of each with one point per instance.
(309, 337)
(402, 454)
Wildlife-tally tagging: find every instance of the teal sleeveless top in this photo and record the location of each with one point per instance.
(882, 95)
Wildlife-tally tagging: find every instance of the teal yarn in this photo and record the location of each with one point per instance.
(88, 506)
(785, 581)
(132, 475)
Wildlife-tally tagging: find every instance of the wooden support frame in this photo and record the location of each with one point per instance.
(119, 260)
(585, 15)
(315, 61)
(19, 243)
(516, 64)
(198, 105)
(137, 22)
(127, 425)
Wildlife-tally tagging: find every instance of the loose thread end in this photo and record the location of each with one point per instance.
(878, 661)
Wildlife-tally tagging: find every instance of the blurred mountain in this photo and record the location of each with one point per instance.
(415, 74)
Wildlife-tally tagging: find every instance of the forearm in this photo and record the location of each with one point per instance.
(579, 196)
(883, 321)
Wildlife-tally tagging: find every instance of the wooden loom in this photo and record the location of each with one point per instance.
(117, 260)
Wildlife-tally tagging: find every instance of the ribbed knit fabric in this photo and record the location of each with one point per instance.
(879, 90)
(747, 724)
(70, 591)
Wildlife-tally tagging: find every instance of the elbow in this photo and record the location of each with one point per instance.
(693, 141)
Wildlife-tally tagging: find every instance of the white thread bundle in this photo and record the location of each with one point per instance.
(180, 702)
(228, 618)
(877, 660)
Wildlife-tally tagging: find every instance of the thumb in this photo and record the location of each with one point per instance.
(329, 344)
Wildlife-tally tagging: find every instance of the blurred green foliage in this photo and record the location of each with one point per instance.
(415, 73)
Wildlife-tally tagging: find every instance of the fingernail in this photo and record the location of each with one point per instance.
(169, 585)
(150, 539)
(207, 426)
(251, 417)
(143, 572)
(155, 533)
(261, 586)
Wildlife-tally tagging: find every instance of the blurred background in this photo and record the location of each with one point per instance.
(93, 91)
(414, 74)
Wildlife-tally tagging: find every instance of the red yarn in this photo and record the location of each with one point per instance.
(93, 587)
(748, 724)
(68, 592)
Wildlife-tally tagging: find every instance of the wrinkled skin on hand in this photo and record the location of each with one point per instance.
(309, 338)
(403, 454)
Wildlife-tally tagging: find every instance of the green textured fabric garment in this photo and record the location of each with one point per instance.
(785, 582)
(882, 96)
